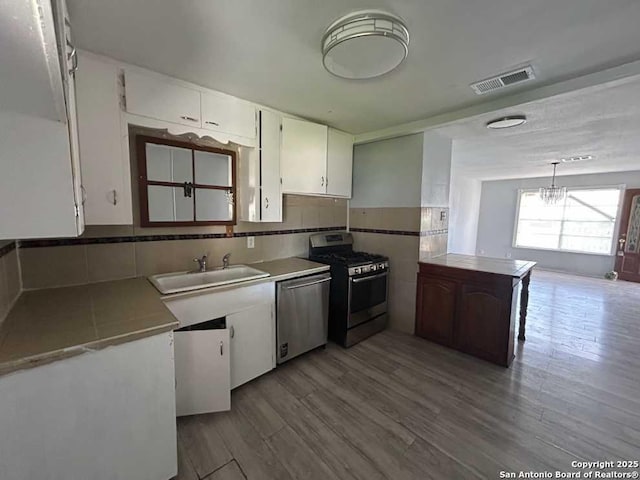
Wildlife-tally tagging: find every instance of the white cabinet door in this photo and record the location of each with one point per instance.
(104, 172)
(303, 157)
(339, 163)
(202, 371)
(227, 114)
(69, 69)
(162, 100)
(271, 188)
(252, 335)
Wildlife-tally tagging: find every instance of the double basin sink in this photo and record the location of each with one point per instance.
(186, 281)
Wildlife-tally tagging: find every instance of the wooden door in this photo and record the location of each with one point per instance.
(303, 157)
(436, 305)
(484, 322)
(628, 252)
(253, 343)
(339, 163)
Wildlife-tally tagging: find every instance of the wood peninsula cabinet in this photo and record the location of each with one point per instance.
(469, 303)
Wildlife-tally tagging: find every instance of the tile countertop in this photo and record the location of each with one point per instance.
(55, 323)
(500, 266)
(287, 268)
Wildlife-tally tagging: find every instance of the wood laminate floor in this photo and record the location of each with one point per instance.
(399, 407)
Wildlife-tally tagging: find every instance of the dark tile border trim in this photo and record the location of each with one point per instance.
(409, 233)
(8, 248)
(60, 242)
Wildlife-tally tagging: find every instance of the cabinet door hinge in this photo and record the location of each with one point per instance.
(76, 209)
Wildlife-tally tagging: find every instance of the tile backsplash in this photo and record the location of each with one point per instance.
(107, 252)
(406, 235)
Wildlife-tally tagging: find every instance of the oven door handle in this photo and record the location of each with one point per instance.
(309, 284)
(366, 279)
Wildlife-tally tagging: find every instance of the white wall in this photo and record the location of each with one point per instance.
(388, 173)
(497, 222)
(464, 213)
(436, 170)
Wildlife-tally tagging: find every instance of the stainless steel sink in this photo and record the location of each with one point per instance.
(187, 281)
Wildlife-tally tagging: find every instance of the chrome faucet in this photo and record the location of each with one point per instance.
(202, 263)
(225, 261)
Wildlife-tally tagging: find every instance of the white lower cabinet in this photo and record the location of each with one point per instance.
(107, 414)
(252, 343)
(202, 371)
(226, 338)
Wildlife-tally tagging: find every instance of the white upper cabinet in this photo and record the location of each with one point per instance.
(316, 160)
(270, 188)
(303, 157)
(339, 163)
(105, 170)
(260, 189)
(40, 182)
(227, 114)
(157, 98)
(162, 98)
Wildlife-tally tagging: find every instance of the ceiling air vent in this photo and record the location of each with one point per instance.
(505, 80)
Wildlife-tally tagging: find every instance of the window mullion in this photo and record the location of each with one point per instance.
(562, 221)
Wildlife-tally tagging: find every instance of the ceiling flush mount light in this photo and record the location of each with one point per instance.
(507, 122)
(578, 158)
(553, 194)
(365, 44)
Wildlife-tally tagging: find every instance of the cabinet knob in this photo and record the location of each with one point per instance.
(221, 349)
(266, 202)
(212, 123)
(232, 331)
(115, 197)
(191, 119)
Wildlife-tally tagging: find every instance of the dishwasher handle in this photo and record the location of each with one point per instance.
(308, 284)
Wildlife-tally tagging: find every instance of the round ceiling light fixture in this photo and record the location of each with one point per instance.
(365, 44)
(507, 122)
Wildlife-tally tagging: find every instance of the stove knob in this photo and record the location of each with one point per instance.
(356, 270)
(381, 266)
(374, 268)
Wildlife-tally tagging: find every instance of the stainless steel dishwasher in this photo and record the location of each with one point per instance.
(302, 316)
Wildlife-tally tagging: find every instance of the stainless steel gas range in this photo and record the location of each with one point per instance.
(359, 287)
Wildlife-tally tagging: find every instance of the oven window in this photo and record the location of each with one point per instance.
(367, 292)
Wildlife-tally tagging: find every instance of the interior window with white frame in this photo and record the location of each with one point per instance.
(584, 221)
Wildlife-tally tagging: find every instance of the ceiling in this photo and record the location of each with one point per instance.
(603, 121)
(269, 51)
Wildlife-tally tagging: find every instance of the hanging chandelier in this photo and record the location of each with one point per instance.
(553, 194)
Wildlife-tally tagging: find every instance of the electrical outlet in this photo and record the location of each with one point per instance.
(251, 242)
